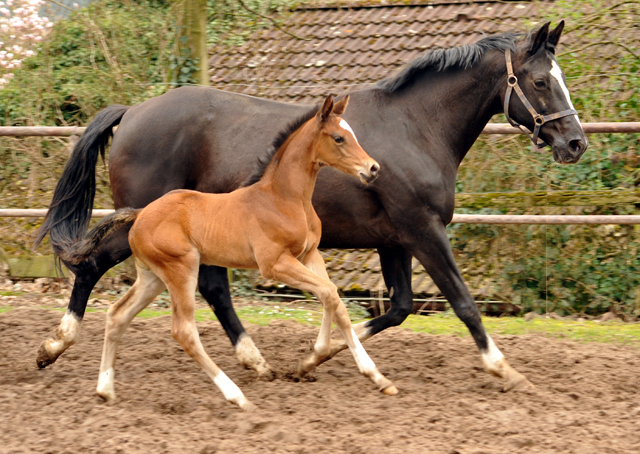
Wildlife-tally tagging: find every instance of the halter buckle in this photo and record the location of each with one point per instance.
(539, 120)
(512, 81)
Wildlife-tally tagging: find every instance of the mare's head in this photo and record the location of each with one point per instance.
(337, 146)
(537, 74)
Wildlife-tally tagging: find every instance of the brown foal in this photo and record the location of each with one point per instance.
(269, 225)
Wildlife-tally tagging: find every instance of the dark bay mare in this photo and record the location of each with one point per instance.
(418, 125)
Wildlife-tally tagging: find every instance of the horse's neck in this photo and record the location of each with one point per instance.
(457, 104)
(293, 177)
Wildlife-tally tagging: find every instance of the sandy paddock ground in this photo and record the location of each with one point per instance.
(586, 400)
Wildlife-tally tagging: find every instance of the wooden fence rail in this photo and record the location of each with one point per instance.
(457, 218)
(491, 128)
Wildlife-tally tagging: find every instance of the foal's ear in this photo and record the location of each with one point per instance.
(554, 37)
(327, 107)
(539, 39)
(341, 105)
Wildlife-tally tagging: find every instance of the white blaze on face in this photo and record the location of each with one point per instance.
(345, 125)
(556, 72)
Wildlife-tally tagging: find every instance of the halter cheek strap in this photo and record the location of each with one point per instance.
(538, 120)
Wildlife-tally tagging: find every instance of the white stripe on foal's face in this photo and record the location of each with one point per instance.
(556, 72)
(345, 125)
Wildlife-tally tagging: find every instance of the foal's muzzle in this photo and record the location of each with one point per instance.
(369, 172)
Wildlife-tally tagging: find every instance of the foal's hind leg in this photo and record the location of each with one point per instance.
(185, 332)
(87, 273)
(292, 272)
(119, 315)
(214, 287)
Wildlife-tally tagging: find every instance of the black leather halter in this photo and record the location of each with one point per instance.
(538, 120)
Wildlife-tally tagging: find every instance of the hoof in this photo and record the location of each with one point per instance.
(390, 390)
(247, 407)
(44, 358)
(518, 383)
(109, 398)
(267, 375)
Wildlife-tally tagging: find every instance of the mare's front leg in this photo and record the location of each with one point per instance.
(312, 277)
(213, 284)
(87, 273)
(396, 270)
(434, 251)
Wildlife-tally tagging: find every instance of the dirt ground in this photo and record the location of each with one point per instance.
(586, 401)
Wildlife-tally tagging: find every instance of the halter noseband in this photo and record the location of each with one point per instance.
(538, 120)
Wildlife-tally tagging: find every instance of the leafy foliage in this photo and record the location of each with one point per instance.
(566, 268)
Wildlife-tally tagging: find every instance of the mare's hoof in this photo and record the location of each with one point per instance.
(390, 390)
(518, 383)
(44, 358)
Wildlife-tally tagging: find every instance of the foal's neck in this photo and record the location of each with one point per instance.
(293, 172)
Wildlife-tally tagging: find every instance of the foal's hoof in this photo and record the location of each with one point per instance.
(108, 397)
(247, 406)
(266, 375)
(44, 358)
(390, 390)
(518, 383)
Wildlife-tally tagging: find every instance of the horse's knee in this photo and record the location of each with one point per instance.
(328, 294)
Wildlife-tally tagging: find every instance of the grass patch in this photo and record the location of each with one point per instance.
(442, 324)
(587, 331)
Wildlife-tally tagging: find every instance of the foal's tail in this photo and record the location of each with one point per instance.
(70, 210)
(83, 249)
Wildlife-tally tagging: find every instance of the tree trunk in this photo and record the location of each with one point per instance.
(192, 41)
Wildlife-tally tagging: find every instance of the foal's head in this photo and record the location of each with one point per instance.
(337, 145)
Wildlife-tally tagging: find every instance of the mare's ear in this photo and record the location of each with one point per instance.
(327, 107)
(554, 37)
(341, 105)
(539, 39)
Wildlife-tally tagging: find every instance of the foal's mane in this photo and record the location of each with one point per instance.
(463, 57)
(280, 139)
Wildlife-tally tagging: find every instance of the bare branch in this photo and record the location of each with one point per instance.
(278, 26)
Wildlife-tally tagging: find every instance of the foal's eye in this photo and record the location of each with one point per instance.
(540, 83)
(338, 139)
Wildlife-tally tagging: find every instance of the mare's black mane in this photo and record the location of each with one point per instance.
(463, 57)
(281, 138)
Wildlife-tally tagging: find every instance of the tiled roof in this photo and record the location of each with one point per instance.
(352, 44)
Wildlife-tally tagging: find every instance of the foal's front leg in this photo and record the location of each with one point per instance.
(182, 289)
(290, 271)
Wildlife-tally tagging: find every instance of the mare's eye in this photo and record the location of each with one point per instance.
(540, 83)
(338, 139)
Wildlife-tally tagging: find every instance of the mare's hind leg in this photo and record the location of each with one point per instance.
(114, 250)
(213, 284)
(314, 278)
(183, 329)
(146, 287)
(396, 270)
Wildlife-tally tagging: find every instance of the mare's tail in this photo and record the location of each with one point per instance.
(83, 249)
(70, 210)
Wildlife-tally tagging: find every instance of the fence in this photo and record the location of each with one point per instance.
(493, 128)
